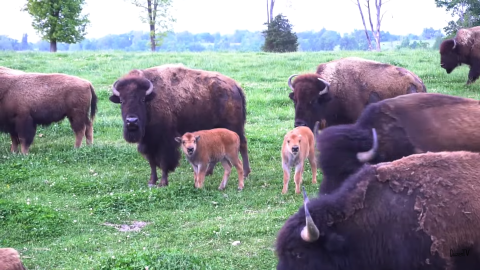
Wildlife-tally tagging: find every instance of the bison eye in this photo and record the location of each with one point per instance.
(142, 100)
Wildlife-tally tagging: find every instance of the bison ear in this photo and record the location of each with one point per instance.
(197, 138)
(324, 98)
(178, 139)
(114, 99)
(334, 242)
(150, 97)
(290, 95)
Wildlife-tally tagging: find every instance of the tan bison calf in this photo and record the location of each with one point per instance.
(298, 144)
(215, 145)
(10, 259)
(31, 99)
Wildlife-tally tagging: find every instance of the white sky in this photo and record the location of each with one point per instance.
(225, 16)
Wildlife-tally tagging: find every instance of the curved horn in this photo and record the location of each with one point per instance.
(315, 129)
(370, 154)
(290, 81)
(454, 43)
(310, 232)
(325, 90)
(150, 89)
(114, 90)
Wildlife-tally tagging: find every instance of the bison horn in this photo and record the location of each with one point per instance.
(454, 44)
(290, 81)
(325, 90)
(370, 154)
(316, 128)
(150, 89)
(114, 90)
(310, 232)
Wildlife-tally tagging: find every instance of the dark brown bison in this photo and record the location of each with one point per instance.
(464, 48)
(405, 125)
(164, 102)
(10, 259)
(340, 90)
(421, 212)
(31, 99)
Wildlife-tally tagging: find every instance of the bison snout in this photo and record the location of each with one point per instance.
(132, 123)
(295, 149)
(300, 123)
(190, 150)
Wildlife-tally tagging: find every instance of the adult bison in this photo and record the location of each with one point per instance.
(31, 99)
(340, 90)
(421, 212)
(164, 102)
(464, 48)
(405, 125)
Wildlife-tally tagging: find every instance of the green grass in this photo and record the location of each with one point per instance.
(55, 201)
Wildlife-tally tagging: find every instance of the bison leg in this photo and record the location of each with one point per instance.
(286, 177)
(244, 153)
(228, 169)
(89, 132)
(313, 164)
(25, 128)
(298, 177)
(15, 142)
(474, 72)
(164, 180)
(153, 172)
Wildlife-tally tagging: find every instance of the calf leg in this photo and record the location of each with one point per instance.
(202, 170)
(286, 177)
(228, 169)
(89, 132)
(15, 142)
(79, 127)
(210, 168)
(298, 176)
(25, 128)
(235, 161)
(313, 164)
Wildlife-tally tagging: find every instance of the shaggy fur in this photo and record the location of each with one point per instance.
(10, 259)
(215, 145)
(298, 145)
(405, 125)
(407, 214)
(464, 48)
(354, 83)
(31, 99)
(183, 100)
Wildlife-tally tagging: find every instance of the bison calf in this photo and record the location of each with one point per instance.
(10, 259)
(31, 99)
(210, 146)
(298, 144)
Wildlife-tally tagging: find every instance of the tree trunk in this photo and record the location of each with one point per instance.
(272, 3)
(364, 26)
(371, 24)
(268, 17)
(151, 21)
(378, 5)
(53, 45)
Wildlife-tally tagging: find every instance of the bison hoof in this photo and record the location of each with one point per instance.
(163, 183)
(246, 173)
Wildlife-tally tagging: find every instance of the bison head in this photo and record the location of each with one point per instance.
(301, 245)
(449, 55)
(133, 93)
(310, 95)
(188, 142)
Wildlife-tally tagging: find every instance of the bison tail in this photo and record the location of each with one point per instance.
(93, 104)
(244, 103)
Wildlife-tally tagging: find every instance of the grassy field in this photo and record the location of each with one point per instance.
(56, 202)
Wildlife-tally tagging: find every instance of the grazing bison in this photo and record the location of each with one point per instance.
(164, 102)
(298, 145)
(421, 212)
(405, 125)
(464, 48)
(31, 99)
(340, 90)
(10, 259)
(214, 145)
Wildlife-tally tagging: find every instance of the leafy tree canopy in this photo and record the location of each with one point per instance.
(279, 36)
(467, 11)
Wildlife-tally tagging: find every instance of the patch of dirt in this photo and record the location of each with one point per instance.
(135, 226)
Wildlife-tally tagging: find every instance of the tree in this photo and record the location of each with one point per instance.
(378, 20)
(279, 36)
(468, 12)
(58, 20)
(158, 18)
(270, 11)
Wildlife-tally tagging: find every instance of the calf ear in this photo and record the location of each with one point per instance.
(150, 97)
(290, 95)
(197, 138)
(178, 139)
(114, 99)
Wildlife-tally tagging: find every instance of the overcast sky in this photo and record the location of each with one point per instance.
(225, 16)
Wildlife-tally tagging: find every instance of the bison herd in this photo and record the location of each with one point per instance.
(400, 187)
